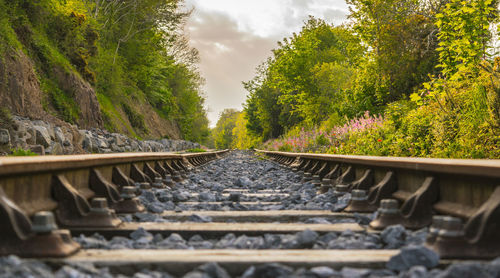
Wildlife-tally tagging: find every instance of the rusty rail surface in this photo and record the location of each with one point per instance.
(81, 191)
(415, 192)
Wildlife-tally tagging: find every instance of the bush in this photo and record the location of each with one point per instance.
(22, 152)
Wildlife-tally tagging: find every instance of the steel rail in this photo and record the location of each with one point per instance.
(35, 164)
(477, 167)
(82, 191)
(411, 191)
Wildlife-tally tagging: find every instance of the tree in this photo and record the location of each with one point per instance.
(223, 131)
(402, 42)
(241, 139)
(464, 33)
(304, 81)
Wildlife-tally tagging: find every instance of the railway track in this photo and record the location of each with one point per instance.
(306, 215)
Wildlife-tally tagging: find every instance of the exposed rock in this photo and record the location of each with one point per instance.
(84, 96)
(60, 138)
(30, 134)
(42, 136)
(4, 137)
(119, 139)
(69, 140)
(19, 86)
(38, 149)
(55, 149)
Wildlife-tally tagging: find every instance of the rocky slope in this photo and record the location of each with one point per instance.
(43, 137)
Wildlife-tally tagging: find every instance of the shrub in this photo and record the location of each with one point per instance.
(22, 152)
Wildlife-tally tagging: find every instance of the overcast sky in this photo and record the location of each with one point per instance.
(235, 36)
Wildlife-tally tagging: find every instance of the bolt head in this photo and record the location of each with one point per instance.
(437, 224)
(358, 194)
(389, 204)
(437, 221)
(99, 203)
(128, 192)
(326, 181)
(43, 222)
(344, 188)
(452, 223)
(145, 185)
(451, 227)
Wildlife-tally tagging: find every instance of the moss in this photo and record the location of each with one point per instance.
(136, 119)
(8, 38)
(6, 119)
(62, 102)
(111, 116)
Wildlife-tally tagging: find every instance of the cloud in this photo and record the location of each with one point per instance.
(335, 15)
(234, 37)
(228, 57)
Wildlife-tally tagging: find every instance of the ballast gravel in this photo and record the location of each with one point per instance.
(243, 171)
(392, 237)
(13, 266)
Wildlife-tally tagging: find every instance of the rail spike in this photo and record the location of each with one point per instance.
(154, 176)
(180, 167)
(103, 188)
(167, 179)
(384, 189)
(139, 177)
(120, 179)
(73, 209)
(417, 210)
(365, 182)
(479, 238)
(18, 237)
(347, 176)
(173, 172)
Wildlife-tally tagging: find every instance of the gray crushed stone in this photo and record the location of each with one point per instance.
(240, 170)
(243, 171)
(13, 266)
(142, 239)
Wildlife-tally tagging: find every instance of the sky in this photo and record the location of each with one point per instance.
(235, 36)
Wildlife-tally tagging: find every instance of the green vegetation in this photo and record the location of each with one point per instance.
(196, 150)
(61, 101)
(404, 78)
(222, 134)
(22, 152)
(6, 118)
(231, 132)
(133, 53)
